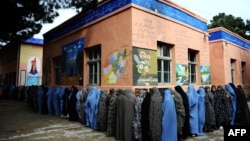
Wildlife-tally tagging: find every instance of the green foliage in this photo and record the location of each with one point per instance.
(82, 5)
(21, 19)
(234, 24)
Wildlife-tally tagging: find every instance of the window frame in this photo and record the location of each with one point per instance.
(243, 72)
(94, 65)
(232, 69)
(162, 58)
(192, 66)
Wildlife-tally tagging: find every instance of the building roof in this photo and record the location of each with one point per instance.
(34, 41)
(163, 7)
(221, 33)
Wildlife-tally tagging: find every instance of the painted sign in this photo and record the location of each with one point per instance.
(205, 75)
(144, 67)
(31, 63)
(114, 66)
(71, 51)
(181, 74)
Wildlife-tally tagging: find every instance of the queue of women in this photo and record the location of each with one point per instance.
(155, 114)
(225, 106)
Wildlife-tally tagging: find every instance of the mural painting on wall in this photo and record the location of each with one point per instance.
(114, 66)
(205, 75)
(72, 55)
(34, 67)
(181, 74)
(144, 67)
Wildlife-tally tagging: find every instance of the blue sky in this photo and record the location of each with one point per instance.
(204, 8)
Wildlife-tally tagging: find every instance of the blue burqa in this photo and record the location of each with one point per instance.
(56, 101)
(193, 109)
(49, 95)
(91, 107)
(169, 118)
(201, 110)
(232, 93)
(78, 96)
(61, 94)
(40, 94)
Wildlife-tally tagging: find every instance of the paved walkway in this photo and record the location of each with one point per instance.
(18, 122)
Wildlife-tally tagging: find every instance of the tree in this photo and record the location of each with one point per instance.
(234, 24)
(21, 19)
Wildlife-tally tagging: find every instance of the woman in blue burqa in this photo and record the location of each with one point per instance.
(193, 110)
(201, 110)
(169, 121)
(231, 90)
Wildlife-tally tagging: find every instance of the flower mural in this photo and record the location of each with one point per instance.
(143, 62)
(144, 67)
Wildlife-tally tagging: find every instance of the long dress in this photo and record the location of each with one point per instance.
(169, 118)
(180, 112)
(73, 115)
(137, 133)
(79, 103)
(155, 114)
(193, 110)
(201, 110)
(242, 116)
(102, 117)
(232, 93)
(209, 109)
(186, 127)
(49, 96)
(221, 107)
(91, 108)
(125, 115)
(40, 93)
(56, 101)
(111, 117)
(145, 118)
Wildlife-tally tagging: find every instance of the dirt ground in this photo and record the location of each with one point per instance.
(19, 122)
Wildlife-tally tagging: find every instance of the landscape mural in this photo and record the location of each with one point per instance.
(205, 75)
(181, 74)
(72, 66)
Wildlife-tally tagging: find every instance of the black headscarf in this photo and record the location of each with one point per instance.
(186, 126)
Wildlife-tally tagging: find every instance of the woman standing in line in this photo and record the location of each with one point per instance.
(209, 113)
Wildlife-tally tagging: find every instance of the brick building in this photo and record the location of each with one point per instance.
(21, 63)
(134, 44)
(229, 57)
(129, 44)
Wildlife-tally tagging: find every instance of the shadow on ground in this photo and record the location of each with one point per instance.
(19, 122)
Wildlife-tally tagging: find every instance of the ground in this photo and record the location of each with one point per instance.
(19, 122)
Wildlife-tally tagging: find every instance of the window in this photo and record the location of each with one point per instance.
(233, 70)
(23, 78)
(94, 58)
(192, 65)
(164, 62)
(58, 69)
(243, 67)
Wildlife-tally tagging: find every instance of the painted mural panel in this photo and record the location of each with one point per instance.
(34, 80)
(144, 67)
(30, 60)
(181, 74)
(205, 75)
(114, 66)
(72, 55)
